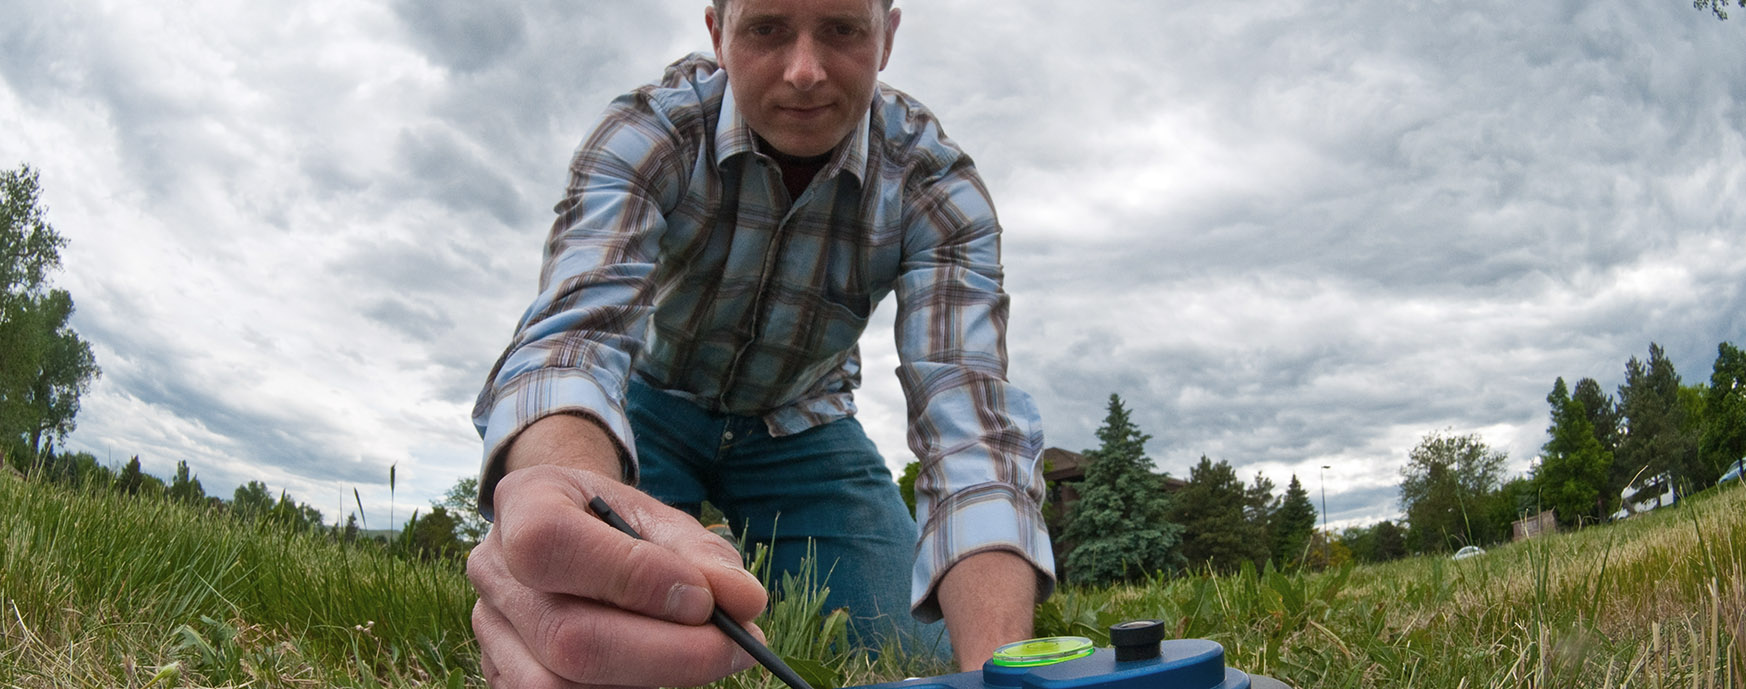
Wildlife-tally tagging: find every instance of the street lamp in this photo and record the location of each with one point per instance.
(1325, 535)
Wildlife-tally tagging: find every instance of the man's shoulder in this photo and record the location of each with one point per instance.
(695, 72)
(910, 135)
(688, 94)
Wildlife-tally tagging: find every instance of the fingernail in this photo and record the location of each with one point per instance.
(742, 661)
(740, 569)
(685, 603)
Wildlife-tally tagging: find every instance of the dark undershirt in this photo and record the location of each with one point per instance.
(797, 172)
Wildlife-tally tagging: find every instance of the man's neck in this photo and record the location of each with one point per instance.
(797, 172)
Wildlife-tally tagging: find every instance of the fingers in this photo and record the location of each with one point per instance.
(551, 542)
(541, 639)
(567, 600)
(737, 591)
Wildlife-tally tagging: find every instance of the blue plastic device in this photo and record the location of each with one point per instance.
(1140, 659)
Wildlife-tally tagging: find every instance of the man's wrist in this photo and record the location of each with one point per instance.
(567, 440)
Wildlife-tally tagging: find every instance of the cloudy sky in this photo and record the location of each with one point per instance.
(1288, 233)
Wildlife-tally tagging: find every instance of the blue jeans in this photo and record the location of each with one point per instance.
(825, 489)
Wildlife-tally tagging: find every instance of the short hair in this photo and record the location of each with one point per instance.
(721, 6)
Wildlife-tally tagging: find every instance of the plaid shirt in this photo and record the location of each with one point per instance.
(677, 254)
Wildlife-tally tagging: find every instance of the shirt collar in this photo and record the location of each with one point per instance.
(734, 137)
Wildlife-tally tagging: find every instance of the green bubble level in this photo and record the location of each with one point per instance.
(1035, 652)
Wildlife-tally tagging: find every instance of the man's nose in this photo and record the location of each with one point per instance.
(805, 64)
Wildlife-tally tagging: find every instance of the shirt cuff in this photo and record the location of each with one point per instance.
(991, 516)
(543, 393)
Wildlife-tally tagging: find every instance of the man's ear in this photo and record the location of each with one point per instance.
(714, 24)
(892, 18)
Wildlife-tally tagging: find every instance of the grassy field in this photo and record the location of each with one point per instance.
(99, 590)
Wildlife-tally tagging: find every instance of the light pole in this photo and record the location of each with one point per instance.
(1325, 535)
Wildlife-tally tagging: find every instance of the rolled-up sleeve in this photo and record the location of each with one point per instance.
(574, 346)
(978, 437)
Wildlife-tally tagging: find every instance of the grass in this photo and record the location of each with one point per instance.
(100, 590)
(1653, 602)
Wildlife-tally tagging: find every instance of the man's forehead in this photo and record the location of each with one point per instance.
(782, 8)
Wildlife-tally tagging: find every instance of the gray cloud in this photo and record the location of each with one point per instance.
(1288, 235)
(463, 36)
(443, 169)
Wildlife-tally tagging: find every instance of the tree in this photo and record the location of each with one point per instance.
(461, 506)
(906, 485)
(433, 536)
(1211, 508)
(131, 477)
(64, 372)
(1447, 480)
(44, 365)
(1120, 526)
(1723, 440)
(1390, 542)
(1717, 7)
(1658, 438)
(185, 488)
(251, 501)
(1292, 525)
(1259, 506)
(1574, 468)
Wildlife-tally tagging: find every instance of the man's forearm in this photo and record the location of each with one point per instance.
(989, 600)
(565, 440)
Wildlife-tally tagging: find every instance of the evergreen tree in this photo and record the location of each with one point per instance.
(1723, 440)
(1259, 506)
(1574, 468)
(1292, 525)
(1216, 531)
(1657, 438)
(1390, 541)
(1120, 525)
(185, 488)
(131, 477)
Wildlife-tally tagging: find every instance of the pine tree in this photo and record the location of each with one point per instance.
(1292, 525)
(1120, 524)
(131, 477)
(1723, 441)
(185, 488)
(1216, 532)
(1574, 468)
(1658, 438)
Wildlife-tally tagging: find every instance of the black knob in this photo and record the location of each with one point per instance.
(1136, 640)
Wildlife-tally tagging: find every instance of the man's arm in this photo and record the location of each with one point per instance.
(988, 602)
(566, 600)
(984, 558)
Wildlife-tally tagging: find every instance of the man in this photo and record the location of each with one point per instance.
(725, 237)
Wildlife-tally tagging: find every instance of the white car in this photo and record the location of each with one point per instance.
(1469, 551)
(1733, 473)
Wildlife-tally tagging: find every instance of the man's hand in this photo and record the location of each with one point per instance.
(565, 600)
(989, 600)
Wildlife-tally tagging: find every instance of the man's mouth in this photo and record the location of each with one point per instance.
(803, 110)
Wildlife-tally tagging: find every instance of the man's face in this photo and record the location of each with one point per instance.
(803, 71)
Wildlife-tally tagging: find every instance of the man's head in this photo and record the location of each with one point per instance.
(802, 71)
